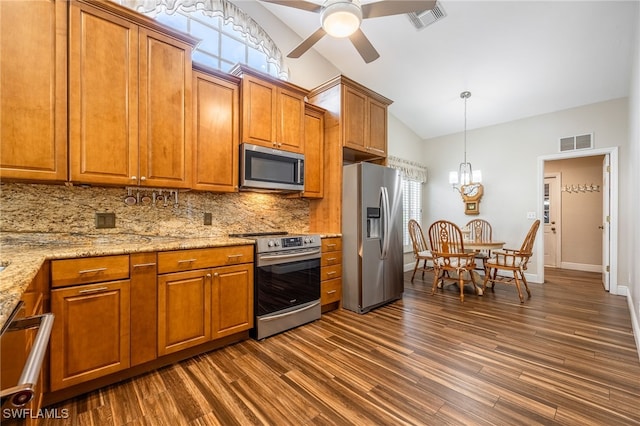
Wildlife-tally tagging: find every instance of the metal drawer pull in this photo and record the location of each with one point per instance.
(187, 261)
(23, 392)
(331, 245)
(332, 272)
(93, 290)
(331, 259)
(92, 271)
(332, 291)
(144, 265)
(233, 256)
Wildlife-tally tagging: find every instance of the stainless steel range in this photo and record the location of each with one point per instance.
(287, 281)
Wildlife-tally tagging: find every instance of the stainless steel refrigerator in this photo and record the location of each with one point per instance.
(372, 252)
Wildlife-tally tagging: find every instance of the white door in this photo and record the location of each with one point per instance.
(551, 214)
(605, 222)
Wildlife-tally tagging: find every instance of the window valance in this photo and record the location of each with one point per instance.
(409, 169)
(226, 10)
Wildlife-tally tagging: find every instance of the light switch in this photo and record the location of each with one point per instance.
(531, 215)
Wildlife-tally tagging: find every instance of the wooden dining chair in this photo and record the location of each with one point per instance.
(511, 260)
(449, 256)
(421, 250)
(480, 230)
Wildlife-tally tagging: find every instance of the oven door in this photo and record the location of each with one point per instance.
(286, 283)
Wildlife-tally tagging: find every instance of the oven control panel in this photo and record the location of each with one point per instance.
(287, 243)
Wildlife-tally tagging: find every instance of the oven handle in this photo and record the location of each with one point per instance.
(23, 392)
(286, 314)
(287, 256)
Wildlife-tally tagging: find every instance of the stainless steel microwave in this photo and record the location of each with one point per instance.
(270, 169)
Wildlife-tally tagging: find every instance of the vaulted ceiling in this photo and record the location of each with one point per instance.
(518, 59)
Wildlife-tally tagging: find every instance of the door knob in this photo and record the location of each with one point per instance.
(553, 229)
(600, 227)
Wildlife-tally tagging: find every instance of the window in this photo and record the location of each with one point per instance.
(411, 207)
(228, 35)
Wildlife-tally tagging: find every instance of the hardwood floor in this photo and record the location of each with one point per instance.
(566, 356)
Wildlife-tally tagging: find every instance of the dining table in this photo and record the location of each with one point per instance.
(477, 245)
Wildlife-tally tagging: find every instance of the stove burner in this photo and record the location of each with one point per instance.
(258, 234)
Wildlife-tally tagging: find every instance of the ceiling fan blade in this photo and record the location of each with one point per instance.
(395, 7)
(306, 44)
(298, 4)
(364, 46)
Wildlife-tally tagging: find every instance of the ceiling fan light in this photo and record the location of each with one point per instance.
(341, 18)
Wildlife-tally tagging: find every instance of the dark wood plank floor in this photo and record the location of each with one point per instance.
(566, 356)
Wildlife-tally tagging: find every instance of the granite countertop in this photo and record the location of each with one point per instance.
(23, 253)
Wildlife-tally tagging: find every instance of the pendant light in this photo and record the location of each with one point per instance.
(465, 174)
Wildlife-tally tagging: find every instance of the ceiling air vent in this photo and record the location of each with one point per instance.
(572, 143)
(423, 19)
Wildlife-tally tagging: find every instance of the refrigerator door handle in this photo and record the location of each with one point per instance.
(386, 224)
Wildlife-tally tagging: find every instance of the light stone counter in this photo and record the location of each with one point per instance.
(24, 253)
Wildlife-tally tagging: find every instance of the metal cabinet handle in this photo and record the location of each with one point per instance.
(331, 259)
(187, 261)
(234, 256)
(92, 271)
(144, 265)
(332, 291)
(208, 275)
(331, 245)
(332, 272)
(93, 290)
(23, 392)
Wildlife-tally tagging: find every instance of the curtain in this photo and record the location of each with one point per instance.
(409, 169)
(217, 8)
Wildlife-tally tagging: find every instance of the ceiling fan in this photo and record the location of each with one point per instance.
(342, 18)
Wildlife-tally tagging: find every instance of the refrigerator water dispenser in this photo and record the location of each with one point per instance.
(373, 222)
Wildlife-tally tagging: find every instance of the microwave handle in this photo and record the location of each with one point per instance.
(300, 171)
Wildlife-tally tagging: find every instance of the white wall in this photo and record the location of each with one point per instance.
(507, 155)
(633, 194)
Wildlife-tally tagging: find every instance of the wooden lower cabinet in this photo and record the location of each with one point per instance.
(331, 273)
(184, 310)
(144, 308)
(232, 300)
(90, 336)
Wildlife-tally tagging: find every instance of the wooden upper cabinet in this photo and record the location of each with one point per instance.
(33, 90)
(313, 152)
(364, 121)
(216, 135)
(129, 99)
(272, 111)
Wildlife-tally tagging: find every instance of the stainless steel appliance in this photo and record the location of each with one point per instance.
(270, 169)
(287, 281)
(372, 252)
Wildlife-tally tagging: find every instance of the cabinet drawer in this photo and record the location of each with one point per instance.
(330, 272)
(331, 291)
(331, 258)
(89, 270)
(331, 244)
(185, 260)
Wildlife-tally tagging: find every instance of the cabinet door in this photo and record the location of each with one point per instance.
(144, 308)
(258, 111)
(232, 297)
(103, 97)
(290, 134)
(313, 153)
(90, 336)
(215, 165)
(33, 90)
(184, 310)
(354, 119)
(377, 128)
(165, 111)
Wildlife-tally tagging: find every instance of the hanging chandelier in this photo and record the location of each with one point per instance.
(465, 174)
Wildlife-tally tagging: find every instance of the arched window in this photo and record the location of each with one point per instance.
(228, 35)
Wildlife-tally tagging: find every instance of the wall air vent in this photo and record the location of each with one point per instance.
(423, 19)
(573, 143)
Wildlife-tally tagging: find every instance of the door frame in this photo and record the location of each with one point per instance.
(558, 236)
(612, 189)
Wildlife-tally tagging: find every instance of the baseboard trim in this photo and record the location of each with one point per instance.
(635, 325)
(581, 267)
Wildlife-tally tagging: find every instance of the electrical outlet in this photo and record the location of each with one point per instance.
(105, 220)
(208, 218)
(531, 215)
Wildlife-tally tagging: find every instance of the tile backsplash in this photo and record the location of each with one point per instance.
(57, 208)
